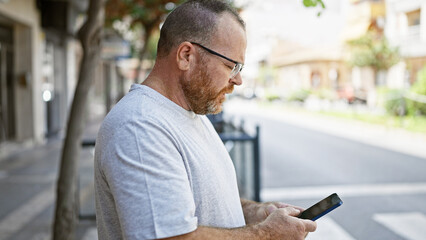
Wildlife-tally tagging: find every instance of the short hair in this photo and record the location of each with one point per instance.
(194, 20)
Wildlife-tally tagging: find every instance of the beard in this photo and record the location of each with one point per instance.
(201, 94)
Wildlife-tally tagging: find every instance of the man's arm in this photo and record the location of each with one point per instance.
(281, 224)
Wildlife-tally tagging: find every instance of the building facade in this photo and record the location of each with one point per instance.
(406, 28)
(38, 59)
(327, 66)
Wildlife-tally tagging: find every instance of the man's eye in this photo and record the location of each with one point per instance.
(229, 66)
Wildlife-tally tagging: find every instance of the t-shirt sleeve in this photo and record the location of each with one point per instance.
(149, 182)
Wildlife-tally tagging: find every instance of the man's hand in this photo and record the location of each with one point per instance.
(255, 212)
(283, 223)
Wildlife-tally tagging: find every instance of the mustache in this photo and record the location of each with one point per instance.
(227, 90)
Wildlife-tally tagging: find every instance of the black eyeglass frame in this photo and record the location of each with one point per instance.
(238, 65)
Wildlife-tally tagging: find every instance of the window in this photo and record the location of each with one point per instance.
(413, 18)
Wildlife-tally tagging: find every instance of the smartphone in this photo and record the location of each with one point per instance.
(322, 207)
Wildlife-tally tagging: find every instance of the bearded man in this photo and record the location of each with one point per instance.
(161, 170)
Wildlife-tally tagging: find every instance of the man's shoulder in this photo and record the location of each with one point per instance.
(144, 108)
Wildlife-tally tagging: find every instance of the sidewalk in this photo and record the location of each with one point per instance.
(394, 139)
(28, 186)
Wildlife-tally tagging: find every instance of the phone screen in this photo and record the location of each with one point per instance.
(322, 207)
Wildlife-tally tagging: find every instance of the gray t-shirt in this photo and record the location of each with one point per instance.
(161, 171)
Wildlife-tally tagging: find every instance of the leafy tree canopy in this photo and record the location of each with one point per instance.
(137, 20)
(373, 50)
(145, 12)
(314, 3)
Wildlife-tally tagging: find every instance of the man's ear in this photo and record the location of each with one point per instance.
(185, 55)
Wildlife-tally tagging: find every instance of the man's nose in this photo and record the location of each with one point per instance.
(237, 80)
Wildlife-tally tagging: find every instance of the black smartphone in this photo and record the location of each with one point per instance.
(322, 207)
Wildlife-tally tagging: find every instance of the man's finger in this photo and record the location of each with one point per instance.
(284, 205)
(310, 226)
(270, 209)
(299, 208)
(291, 211)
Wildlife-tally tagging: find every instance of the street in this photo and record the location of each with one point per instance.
(384, 191)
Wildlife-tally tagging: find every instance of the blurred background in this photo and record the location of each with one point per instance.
(333, 100)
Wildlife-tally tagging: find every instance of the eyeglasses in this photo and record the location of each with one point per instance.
(237, 68)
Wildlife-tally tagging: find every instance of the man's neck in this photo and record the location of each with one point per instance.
(169, 87)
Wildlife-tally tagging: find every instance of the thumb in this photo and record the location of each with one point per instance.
(291, 211)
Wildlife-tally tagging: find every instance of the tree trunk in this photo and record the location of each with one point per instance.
(66, 214)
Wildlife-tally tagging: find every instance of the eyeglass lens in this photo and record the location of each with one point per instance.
(237, 68)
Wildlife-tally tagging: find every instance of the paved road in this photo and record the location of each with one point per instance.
(384, 191)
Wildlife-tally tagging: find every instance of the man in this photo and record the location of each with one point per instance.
(161, 171)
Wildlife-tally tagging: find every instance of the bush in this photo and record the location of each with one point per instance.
(419, 87)
(272, 97)
(393, 101)
(396, 106)
(326, 94)
(299, 95)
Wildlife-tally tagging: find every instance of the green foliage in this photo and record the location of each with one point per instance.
(396, 104)
(324, 93)
(271, 94)
(272, 97)
(141, 17)
(299, 95)
(152, 45)
(419, 87)
(393, 100)
(373, 50)
(314, 3)
(410, 123)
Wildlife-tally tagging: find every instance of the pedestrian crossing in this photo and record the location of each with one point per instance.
(411, 226)
(327, 229)
(408, 226)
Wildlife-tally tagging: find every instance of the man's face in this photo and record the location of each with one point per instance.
(202, 94)
(209, 82)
